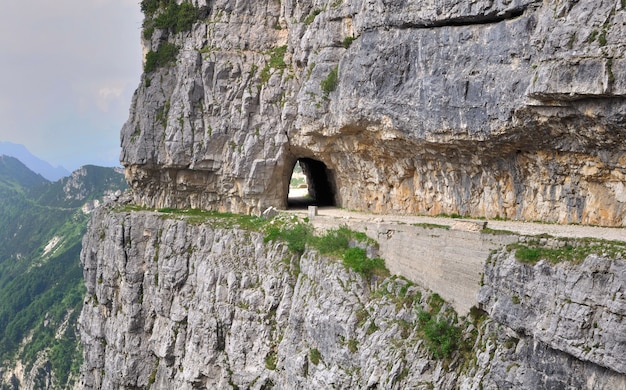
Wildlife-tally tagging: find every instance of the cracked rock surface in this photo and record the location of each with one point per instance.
(507, 108)
(174, 302)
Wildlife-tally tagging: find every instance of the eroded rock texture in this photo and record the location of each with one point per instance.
(173, 303)
(489, 108)
(557, 319)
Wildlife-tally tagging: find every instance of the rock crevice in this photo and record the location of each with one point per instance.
(177, 302)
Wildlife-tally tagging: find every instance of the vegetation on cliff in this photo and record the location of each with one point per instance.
(170, 16)
(348, 245)
(312, 316)
(41, 282)
(555, 250)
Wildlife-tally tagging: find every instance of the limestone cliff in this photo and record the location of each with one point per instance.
(181, 305)
(509, 108)
(178, 302)
(557, 319)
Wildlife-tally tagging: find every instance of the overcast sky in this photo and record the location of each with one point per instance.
(68, 69)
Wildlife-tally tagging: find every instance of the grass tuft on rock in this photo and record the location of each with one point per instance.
(565, 249)
(342, 243)
(165, 55)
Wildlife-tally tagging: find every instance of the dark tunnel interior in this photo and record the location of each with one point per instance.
(321, 191)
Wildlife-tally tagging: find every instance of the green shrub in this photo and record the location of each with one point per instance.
(187, 16)
(148, 30)
(347, 41)
(270, 360)
(609, 69)
(277, 57)
(372, 328)
(528, 255)
(477, 314)
(152, 377)
(334, 241)
(353, 345)
(315, 356)
(296, 236)
(168, 18)
(357, 259)
(423, 317)
(442, 338)
(165, 55)
(574, 250)
(435, 302)
(602, 38)
(329, 84)
(149, 7)
(173, 16)
(309, 19)
(276, 61)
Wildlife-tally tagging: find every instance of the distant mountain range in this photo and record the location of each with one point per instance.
(33, 162)
(41, 281)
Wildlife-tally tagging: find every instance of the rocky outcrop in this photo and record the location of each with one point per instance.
(491, 108)
(180, 305)
(589, 302)
(177, 302)
(514, 109)
(556, 319)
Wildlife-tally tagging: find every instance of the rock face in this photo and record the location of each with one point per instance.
(491, 108)
(173, 303)
(587, 300)
(512, 108)
(559, 319)
(180, 305)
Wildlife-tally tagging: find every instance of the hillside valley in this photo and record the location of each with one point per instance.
(41, 284)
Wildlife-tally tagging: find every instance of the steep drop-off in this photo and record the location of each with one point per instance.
(492, 108)
(194, 303)
(512, 109)
(41, 281)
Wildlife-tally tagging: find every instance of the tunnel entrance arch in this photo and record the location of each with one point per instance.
(320, 188)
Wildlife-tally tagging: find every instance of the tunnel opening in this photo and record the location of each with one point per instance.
(311, 184)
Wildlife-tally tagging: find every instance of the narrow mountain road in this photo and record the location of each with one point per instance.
(451, 262)
(332, 215)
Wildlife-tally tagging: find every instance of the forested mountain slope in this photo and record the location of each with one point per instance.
(41, 287)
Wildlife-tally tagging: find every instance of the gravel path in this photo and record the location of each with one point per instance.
(525, 228)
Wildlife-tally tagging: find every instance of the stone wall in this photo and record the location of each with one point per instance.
(447, 261)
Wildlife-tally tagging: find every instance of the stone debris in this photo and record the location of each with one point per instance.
(270, 212)
(469, 226)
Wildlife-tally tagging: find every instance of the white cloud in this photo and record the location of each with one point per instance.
(69, 68)
(107, 95)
